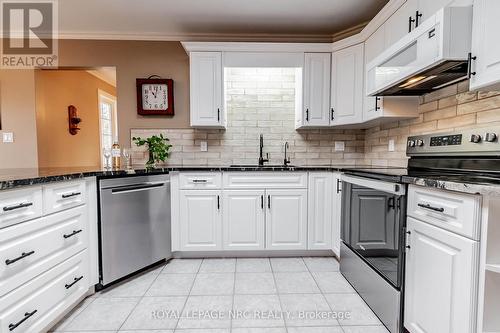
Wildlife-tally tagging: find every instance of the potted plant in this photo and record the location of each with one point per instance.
(158, 147)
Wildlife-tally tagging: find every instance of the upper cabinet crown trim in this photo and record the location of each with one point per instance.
(255, 47)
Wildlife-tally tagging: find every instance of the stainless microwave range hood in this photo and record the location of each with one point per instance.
(432, 56)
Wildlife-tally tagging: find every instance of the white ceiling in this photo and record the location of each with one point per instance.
(191, 19)
(107, 74)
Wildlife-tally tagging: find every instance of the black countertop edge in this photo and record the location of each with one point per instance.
(34, 177)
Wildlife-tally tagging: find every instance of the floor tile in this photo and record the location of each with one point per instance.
(365, 329)
(218, 266)
(140, 331)
(322, 264)
(301, 305)
(103, 314)
(253, 265)
(206, 312)
(202, 330)
(171, 285)
(133, 287)
(288, 265)
(315, 330)
(259, 330)
(72, 315)
(295, 283)
(255, 283)
(182, 266)
(353, 304)
(153, 313)
(332, 282)
(256, 310)
(213, 284)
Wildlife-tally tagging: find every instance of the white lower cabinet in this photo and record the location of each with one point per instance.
(200, 220)
(243, 220)
(441, 280)
(320, 196)
(286, 219)
(336, 212)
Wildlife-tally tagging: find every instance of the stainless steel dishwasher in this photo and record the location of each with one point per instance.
(134, 224)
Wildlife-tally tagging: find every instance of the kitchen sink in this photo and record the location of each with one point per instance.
(260, 166)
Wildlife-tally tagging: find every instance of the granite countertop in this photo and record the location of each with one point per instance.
(12, 178)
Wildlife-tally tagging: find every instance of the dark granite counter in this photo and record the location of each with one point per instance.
(12, 178)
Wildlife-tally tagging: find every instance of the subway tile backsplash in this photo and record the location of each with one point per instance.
(262, 101)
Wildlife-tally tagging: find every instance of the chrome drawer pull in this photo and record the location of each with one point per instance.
(26, 316)
(200, 181)
(436, 209)
(73, 233)
(21, 205)
(75, 280)
(69, 195)
(22, 256)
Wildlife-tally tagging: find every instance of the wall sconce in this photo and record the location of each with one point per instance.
(73, 120)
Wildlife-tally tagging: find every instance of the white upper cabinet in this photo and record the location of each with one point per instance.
(347, 85)
(401, 22)
(206, 89)
(441, 283)
(316, 91)
(485, 45)
(319, 210)
(427, 8)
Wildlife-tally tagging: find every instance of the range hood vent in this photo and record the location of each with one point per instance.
(432, 56)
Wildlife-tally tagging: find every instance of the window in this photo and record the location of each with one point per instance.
(107, 121)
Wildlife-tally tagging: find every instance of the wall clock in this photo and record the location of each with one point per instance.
(155, 96)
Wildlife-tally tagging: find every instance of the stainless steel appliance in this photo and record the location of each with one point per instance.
(372, 248)
(134, 224)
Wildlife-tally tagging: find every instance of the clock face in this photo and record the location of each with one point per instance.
(154, 96)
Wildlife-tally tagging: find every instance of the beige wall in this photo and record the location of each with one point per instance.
(17, 105)
(448, 109)
(55, 91)
(133, 59)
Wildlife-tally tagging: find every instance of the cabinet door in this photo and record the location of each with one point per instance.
(375, 44)
(320, 210)
(200, 220)
(373, 223)
(427, 8)
(336, 213)
(243, 220)
(485, 45)
(441, 280)
(347, 85)
(286, 219)
(316, 89)
(399, 24)
(206, 95)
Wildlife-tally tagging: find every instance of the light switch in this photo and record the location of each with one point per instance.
(339, 145)
(203, 146)
(391, 145)
(8, 137)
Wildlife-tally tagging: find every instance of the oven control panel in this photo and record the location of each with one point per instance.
(466, 142)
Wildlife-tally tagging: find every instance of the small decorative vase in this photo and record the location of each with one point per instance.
(151, 163)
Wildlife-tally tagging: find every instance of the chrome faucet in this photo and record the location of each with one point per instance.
(262, 160)
(286, 160)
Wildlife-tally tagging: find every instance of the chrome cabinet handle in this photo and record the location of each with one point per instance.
(436, 209)
(470, 73)
(75, 280)
(333, 111)
(218, 202)
(72, 234)
(262, 201)
(69, 195)
(22, 256)
(26, 316)
(269, 201)
(418, 15)
(18, 206)
(199, 181)
(338, 186)
(411, 20)
(307, 115)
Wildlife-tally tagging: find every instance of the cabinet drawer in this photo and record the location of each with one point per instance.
(30, 248)
(34, 305)
(64, 195)
(235, 180)
(456, 212)
(200, 180)
(20, 205)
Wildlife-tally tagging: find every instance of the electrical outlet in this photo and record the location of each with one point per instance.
(391, 145)
(339, 145)
(8, 137)
(203, 146)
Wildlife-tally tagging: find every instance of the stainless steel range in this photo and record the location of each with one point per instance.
(374, 210)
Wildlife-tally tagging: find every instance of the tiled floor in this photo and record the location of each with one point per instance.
(277, 295)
